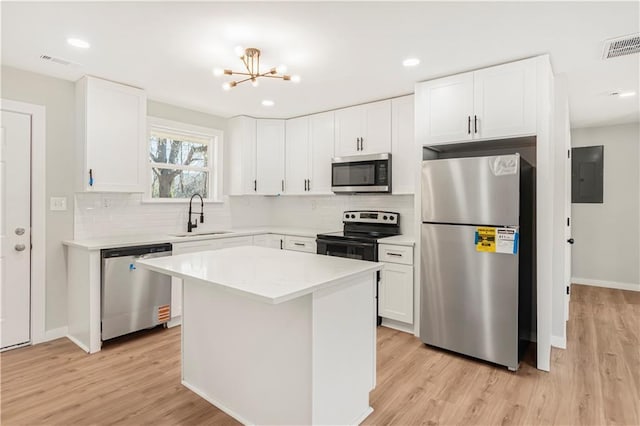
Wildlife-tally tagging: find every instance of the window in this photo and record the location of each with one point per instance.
(183, 160)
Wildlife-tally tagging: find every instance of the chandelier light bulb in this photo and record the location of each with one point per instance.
(295, 78)
(254, 82)
(218, 72)
(281, 69)
(226, 86)
(239, 51)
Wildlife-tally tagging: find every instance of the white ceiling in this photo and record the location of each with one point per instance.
(346, 53)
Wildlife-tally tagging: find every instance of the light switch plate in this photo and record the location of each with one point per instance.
(58, 203)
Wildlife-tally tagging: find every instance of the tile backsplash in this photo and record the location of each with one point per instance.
(99, 215)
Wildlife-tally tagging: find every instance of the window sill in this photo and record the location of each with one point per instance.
(179, 201)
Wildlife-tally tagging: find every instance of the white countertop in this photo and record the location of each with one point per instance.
(399, 240)
(132, 240)
(265, 274)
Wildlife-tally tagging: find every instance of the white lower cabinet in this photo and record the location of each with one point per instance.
(305, 244)
(269, 240)
(395, 292)
(193, 247)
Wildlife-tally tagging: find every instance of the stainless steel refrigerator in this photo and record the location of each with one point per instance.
(477, 265)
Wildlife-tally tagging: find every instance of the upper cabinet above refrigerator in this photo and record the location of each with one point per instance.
(492, 103)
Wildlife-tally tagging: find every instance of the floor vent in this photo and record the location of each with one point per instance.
(621, 46)
(58, 61)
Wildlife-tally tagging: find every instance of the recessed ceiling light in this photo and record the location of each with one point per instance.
(411, 62)
(626, 94)
(268, 103)
(76, 42)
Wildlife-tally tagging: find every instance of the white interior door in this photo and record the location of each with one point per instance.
(15, 228)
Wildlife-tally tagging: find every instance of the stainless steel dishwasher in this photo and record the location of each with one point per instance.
(133, 299)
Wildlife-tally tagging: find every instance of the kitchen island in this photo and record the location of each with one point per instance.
(277, 337)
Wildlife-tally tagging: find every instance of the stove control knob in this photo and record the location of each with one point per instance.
(384, 217)
(353, 216)
(391, 218)
(346, 216)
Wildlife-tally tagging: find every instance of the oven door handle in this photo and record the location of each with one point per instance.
(345, 243)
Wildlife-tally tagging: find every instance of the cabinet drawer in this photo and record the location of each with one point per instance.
(300, 244)
(395, 254)
(235, 242)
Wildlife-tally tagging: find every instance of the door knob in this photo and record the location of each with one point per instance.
(20, 247)
(570, 241)
(19, 231)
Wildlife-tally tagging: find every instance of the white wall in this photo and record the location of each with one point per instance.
(58, 97)
(607, 235)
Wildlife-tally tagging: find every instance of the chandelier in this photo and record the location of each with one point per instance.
(251, 59)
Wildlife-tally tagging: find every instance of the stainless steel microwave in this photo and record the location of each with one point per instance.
(361, 173)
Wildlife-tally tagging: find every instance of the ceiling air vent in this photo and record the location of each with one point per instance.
(58, 61)
(621, 46)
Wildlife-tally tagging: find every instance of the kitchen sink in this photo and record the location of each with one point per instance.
(197, 234)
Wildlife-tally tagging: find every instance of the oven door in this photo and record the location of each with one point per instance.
(350, 249)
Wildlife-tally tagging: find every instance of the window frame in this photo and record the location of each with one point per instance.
(214, 158)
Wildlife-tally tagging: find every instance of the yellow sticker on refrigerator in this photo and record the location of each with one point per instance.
(496, 240)
(486, 239)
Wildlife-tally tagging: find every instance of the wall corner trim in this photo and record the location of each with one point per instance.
(559, 342)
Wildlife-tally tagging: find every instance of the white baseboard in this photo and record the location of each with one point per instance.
(559, 342)
(54, 334)
(79, 343)
(397, 325)
(216, 403)
(606, 284)
(175, 321)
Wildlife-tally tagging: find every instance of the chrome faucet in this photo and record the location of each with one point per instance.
(191, 226)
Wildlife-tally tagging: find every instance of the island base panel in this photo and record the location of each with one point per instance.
(310, 360)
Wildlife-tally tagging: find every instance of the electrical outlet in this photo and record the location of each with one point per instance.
(58, 203)
(107, 202)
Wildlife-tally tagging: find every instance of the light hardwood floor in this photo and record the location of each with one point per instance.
(595, 381)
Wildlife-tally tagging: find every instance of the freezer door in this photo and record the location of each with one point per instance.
(469, 299)
(478, 191)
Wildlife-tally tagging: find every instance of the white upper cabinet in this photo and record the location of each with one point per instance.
(505, 100)
(297, 155)
(321, 142)
(493, 103)
(449, 108)
(309, 149)
(363, 129)
(111, 134)
(403, 150)
(270, 156)
(241, 140)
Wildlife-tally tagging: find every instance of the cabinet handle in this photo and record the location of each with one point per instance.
(361, 144)
(280, 243)
(394, 254)
(299, 244)
(255, 185)
(282, 185)
(90, 177)
(468, 124)
(475, 124)
(308, 184)
(357, 144)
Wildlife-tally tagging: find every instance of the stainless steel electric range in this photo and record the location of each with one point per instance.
(359, 238)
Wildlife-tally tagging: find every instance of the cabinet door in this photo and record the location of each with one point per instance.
(241, 137)
(505, 100)
(449, 109)
(321, 142)
(176, 283)
(376, 136)
(403, 150)
(270, 157)
(297, 155)
(275, 241)
(348, 130)
(114, 133)
(395, 295)
(223, 243)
